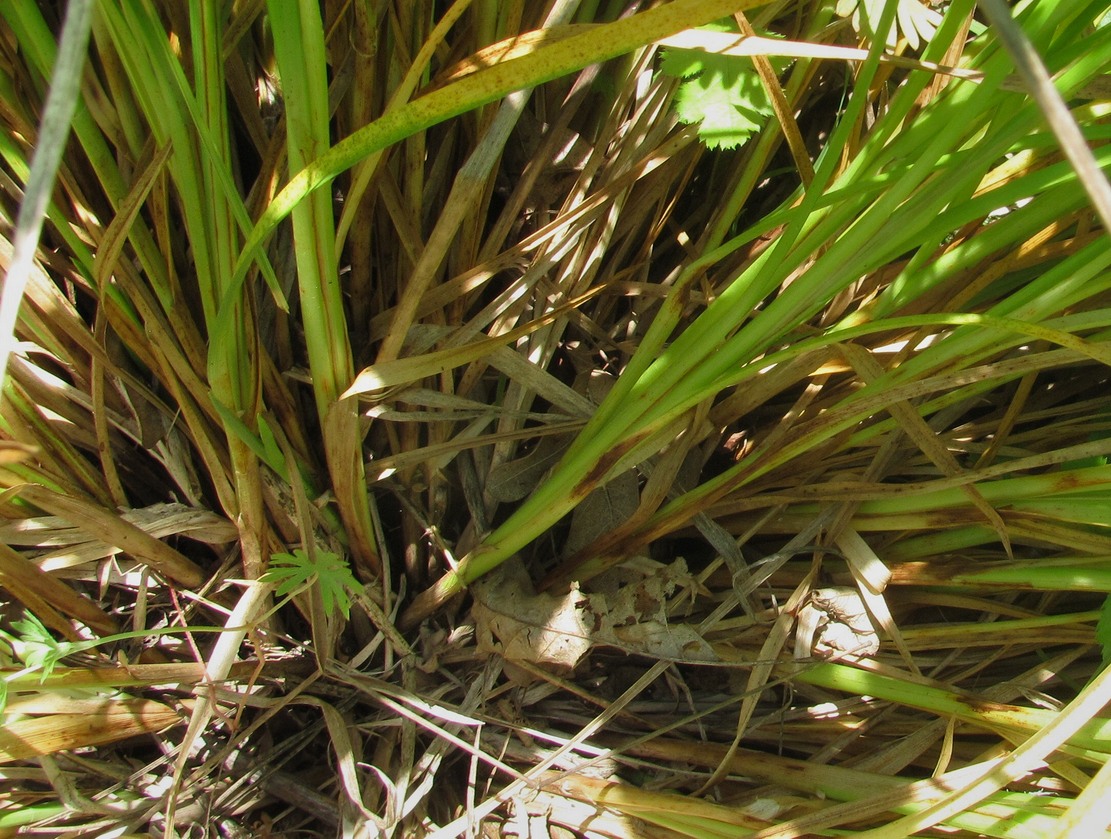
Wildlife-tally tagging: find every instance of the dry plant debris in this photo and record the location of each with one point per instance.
(421, 420)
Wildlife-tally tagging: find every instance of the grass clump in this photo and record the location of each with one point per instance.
(424, 417)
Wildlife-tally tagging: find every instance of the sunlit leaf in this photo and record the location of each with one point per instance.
(915, 21)
(721, 94)
(37, 647)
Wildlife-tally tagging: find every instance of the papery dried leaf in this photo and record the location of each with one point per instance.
(514, 479)
(666, 641)
(103, 722)
(521, 625)
(13, 452)
(605, 509)
(513, 620)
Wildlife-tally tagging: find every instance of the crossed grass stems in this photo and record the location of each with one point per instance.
(910, 348)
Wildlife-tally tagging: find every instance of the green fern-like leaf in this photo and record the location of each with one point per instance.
(721, 94)
(296, 571)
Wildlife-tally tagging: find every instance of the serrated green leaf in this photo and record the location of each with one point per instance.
(290, 571)
(296, 571)
(722, 121)
(682, 64)
(334, 586)
(721, 94)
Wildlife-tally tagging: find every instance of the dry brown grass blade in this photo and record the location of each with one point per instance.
(67, 546)
(87, 723)
(919, 431)
(49, 598)
(403, 371)
(218, 665)
(872, 578)
(770, 650)
(783, 113)
(635, 801)
(115, 236)
(347, 755)
(118, 532)
(130, 675)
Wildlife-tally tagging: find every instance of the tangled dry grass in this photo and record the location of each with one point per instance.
(548, 472)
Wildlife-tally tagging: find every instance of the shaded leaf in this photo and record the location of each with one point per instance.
(512, 619)
(295, 571)
(37, 647)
